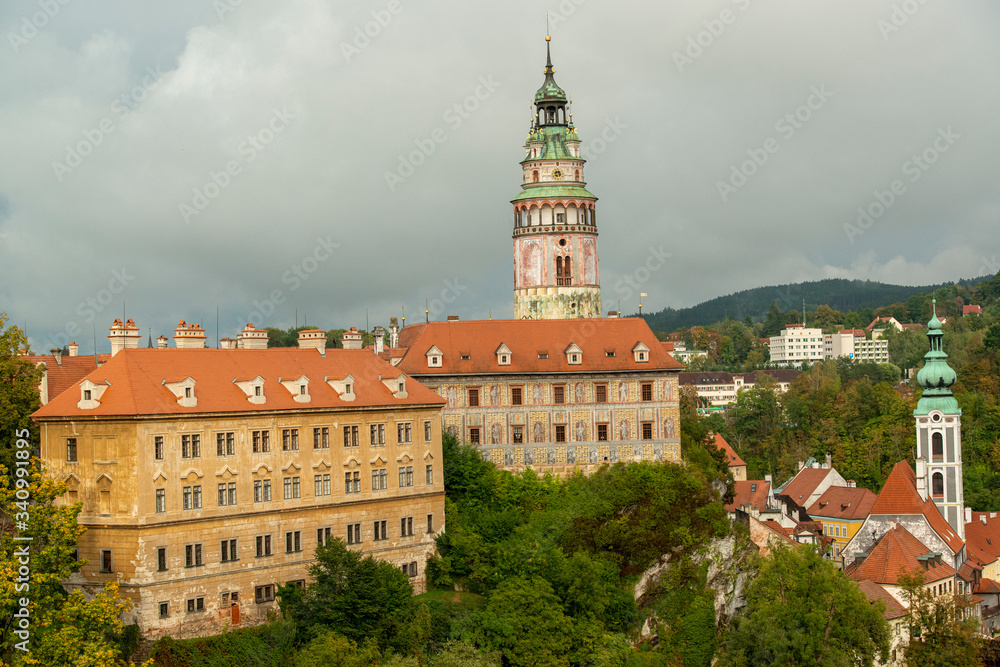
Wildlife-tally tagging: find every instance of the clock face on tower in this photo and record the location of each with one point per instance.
(557, 174)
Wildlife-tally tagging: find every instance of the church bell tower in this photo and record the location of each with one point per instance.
(555, 221)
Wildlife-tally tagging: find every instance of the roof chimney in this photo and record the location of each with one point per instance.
(74, 349)
(453, 318)
(851, 484)
(829, 461)
(313, 339)
(161, 343)
(253, 339)
(57, 353)
(379, 340)
(968, 515)
(228, 343)
(922, 479)
(189, 336)
(123, 336)
(802, 465)
(393, 333)
(352, 340)
(612, 314)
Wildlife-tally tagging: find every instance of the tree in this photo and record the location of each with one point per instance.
(801, 610)
(354, 595)
(19, 380)
(943, 629)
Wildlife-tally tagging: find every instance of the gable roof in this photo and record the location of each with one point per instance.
(753, 492)
(896, 549)
(134, 381)
(843, 502)
(982, 537)
(63, 374)
(874, 592)
(479, 339)
(899, 496)
(732, 458)
(800, 487)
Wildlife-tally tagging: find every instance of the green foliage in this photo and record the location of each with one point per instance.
(802, 610)
(270, 645)
(19, 380)
(684, 615)
(944, 630)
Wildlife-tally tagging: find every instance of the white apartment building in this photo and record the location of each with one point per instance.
(796, 344)
(855, 344)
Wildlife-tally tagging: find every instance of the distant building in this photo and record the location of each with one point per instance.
(718, 389)
(854, 344)
(678, 350)
(736, 465)
(797, 344)
(60, 371)
(972, 309)
(842, 511)
(883, 322)
(810, 482)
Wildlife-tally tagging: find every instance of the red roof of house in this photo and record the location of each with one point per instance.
(897, 549)
(777, 529)
(987, 587)
(972, 309)
(804, 483)
(732, 458)
(843, 502)
(752, 492)
(899, 496)
(875, 592)
(982, 537)
(668, 345)
(606, 344)
(67, 371)
(135, 378)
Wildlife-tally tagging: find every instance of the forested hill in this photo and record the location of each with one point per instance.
(839, 294)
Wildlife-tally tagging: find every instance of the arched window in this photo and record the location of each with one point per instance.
(937, 447)
(937, 484)
(559, 270)
(567, 271)
(534, 176)
(576, 175)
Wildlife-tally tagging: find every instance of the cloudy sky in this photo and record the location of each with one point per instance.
(340, 159)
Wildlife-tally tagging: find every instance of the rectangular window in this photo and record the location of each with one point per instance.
(376, 434)
(380, 479)
(322, 485)
(292, 488)
(403, 434)
(517, 434)
(473, 398)
(261, 490)
(161, 559)
(161, 501)
(429, 475)
(515, 396)
(263, 546)
(196, 496)
(430, 523)
(427, 431)
(293, 542)
(647, 391)
(474, 435)
(261, 441)
(560, 433)
(158, 447)
(195, 605)
(323, 535)
(321, 438)
(232, 493)
(354, 533)
(186, 496)
(601, 393)
(106, 560)
(647, 431)
(352, 482)
(351, 436)
(228, 550)
(225, 444)
(164, 609)
(558, 395)
(185, 446)
(290, 440)
(223, 496)
(405, 476)
(380, 530)
(406, 526)
(602, 433)
(193, 555)
(262, 594)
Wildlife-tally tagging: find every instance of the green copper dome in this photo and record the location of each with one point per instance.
(936, 377)
(550, 91)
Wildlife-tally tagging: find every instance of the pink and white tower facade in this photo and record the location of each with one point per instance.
(556, 272)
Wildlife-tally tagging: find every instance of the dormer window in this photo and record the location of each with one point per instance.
(640, 352)
(182, 390)
(343, 386)
(86, 395)
(253, 389)
(574, 355)
(187, 392)
(257, 390)
(348, 389)
(302, 390)
(298, 388)
(90, 394)
(396, 385)
(434, 357)
(503, 355)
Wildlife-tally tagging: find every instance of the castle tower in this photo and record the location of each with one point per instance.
(555, 224)
(939, 432)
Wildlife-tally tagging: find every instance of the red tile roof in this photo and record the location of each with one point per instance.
(843, 502)
(804, 483)
(777, 529)
(479, 339)
(897, 549)
(874, 592)
(752, 492)
(972, 309)
(732, 458)
(987, 587)
(899, 496)
(668, 345)
(135, 382)
(982, 537)
(68, 371)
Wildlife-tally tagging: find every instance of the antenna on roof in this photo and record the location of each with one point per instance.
(427, 312)
(95, 342)
(491, 313)
(803, 311)
(403, 308)
(366, 320)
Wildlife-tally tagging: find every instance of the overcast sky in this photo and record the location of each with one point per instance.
(262, 157)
